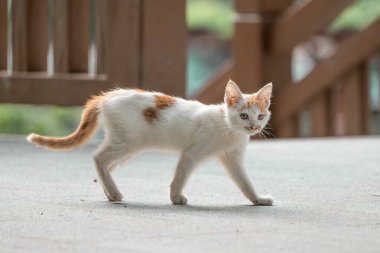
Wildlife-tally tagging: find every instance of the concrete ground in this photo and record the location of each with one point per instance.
(327, 199)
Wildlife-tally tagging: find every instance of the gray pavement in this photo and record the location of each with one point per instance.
(327, 199)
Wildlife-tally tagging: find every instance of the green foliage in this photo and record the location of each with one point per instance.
(49, 120)
(213, 15)
(358, 15)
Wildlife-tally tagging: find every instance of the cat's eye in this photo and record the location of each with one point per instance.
(243, 115)
(261, 116)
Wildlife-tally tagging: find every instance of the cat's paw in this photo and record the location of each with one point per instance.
(178, 199)
(265, 200)
(114, 196)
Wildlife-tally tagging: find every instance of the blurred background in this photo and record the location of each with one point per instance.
(323, 57)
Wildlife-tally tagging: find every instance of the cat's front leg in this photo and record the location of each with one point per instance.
(185, 167)
(233, 162)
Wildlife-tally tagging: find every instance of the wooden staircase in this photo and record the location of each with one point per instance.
(335, 93)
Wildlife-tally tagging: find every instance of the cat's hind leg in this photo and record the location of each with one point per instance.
(107, 157)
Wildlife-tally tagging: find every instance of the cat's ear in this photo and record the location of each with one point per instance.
(233, 94)
(265, 93)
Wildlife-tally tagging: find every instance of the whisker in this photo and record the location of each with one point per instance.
(269, 133)
(263, 135)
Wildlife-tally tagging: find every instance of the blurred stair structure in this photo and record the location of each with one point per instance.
(335, 92)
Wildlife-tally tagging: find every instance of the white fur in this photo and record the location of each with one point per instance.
(194, 130)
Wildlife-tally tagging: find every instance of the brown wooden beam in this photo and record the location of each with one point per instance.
(40, 88)
(300, 21)
(351, 53)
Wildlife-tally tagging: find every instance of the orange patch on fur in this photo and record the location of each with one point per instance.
(150, 114)
(164, 101)
(139, 90)
(253, 100)
(161, 102)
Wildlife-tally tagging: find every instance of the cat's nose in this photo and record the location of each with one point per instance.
(256, 128)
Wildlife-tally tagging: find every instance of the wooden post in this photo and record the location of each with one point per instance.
(352, 104)
(37, 35)
(335, 109)
(3, 34)
(78, 35)
(338, 108)
(59, 35)
(164, 39)
(248, 52)
(278, 69)
(319, 116)
(123, 42)
(365, 108)
(100, 30)
(255, 62)
(19, 36)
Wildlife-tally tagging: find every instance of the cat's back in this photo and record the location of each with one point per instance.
(149, 109)
(120, 98)
(145, 100)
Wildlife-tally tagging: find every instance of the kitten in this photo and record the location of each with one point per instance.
(137, 120)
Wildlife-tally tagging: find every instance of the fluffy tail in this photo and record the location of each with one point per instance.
(86, 128)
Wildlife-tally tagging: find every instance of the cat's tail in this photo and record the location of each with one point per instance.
(86, 128)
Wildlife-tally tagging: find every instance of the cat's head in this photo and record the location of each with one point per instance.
(248, 113)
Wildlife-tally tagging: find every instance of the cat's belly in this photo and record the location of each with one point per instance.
(177, 139)
(168, 139)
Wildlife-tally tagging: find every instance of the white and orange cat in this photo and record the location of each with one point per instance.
(136, 121)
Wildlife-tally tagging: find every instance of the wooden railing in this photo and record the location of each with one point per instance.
(335, 92)
(61, 52)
